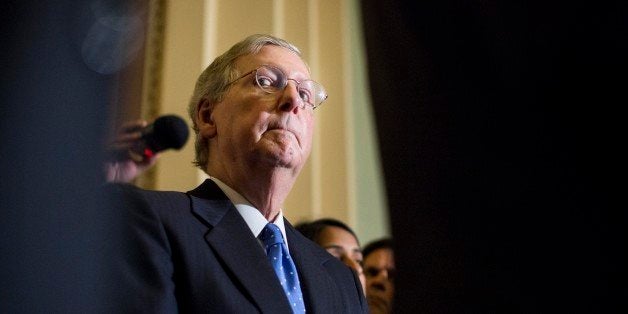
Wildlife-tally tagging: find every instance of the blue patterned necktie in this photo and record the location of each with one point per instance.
(283, 265)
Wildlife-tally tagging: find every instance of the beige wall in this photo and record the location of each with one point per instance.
(342, 179)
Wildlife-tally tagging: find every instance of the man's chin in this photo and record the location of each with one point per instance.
(377, 305)
(281, 155)
(280, 159)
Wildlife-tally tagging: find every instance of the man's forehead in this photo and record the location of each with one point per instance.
(280, 57)
(381, 255)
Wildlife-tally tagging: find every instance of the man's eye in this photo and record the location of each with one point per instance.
(264, 82)
(370, 272)
(335, 252)
(305, 95)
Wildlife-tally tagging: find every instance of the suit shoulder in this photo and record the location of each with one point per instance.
(132, 197)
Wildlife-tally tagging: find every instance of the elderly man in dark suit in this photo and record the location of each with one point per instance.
(208, 250)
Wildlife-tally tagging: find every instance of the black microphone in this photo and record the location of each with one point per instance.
(169, 131)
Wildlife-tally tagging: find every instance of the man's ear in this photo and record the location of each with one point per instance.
(205, 120)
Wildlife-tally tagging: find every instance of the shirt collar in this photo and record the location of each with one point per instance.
(251, 215)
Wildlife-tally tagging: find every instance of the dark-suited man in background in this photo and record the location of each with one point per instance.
(201, 251)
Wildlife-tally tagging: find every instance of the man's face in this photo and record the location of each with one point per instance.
(379, 269)
(257, 128)
(344, 246)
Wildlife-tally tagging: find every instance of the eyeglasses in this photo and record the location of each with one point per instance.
(271, 80)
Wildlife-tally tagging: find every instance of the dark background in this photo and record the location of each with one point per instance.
(502, 135)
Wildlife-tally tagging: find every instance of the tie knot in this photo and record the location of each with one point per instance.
(271, 235)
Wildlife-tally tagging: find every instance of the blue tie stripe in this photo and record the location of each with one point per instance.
(283, 265)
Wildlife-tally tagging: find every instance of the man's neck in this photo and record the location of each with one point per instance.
(266, 190)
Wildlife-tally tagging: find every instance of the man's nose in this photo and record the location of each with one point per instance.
(381, 277)
(379, 282)
(290, 99)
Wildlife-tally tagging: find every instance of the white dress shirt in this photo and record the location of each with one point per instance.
(252, 216)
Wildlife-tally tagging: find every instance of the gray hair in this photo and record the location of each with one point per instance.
(213, 83)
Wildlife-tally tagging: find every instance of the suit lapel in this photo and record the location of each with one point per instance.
(233, 243)
(314, 278)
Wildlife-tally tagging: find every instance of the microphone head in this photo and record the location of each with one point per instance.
(169, 131)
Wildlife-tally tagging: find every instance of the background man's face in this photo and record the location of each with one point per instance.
(379, 269)
(344, 246)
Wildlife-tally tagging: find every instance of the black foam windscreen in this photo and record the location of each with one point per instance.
(169, 131)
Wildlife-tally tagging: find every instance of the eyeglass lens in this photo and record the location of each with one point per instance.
(271, 80)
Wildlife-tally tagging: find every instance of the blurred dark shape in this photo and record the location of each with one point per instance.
(55, 233)
(500, 130)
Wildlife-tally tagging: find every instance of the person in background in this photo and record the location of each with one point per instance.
(338, 239)
(225, 247)
(379, 270)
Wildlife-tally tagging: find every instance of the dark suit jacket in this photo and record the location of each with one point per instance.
(193, 252)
